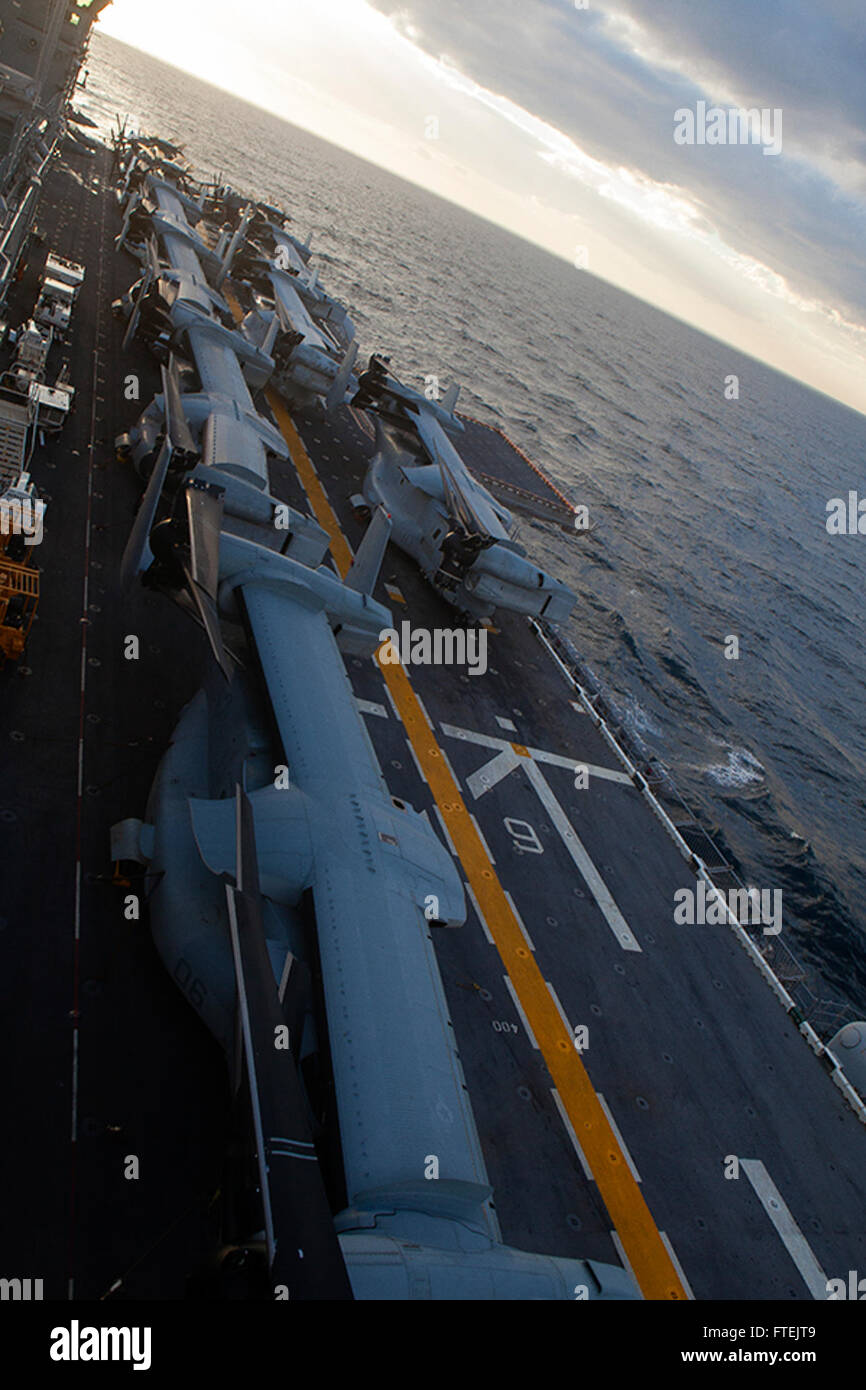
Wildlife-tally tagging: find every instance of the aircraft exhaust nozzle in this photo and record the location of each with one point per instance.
(449, 400)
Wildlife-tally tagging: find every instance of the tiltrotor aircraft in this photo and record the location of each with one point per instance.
(462, 538)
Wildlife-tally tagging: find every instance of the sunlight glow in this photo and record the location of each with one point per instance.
(349, 74)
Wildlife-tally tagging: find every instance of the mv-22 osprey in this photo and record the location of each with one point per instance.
(463, 539)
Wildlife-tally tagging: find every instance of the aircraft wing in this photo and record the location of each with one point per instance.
(218, 366)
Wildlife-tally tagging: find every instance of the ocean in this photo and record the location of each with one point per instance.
(708, 514)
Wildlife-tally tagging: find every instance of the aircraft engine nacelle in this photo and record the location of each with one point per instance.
(383, 1266)
(501, 578)
(310, 374)
(190, 848)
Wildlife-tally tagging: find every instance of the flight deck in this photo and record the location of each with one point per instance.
(684, 1073)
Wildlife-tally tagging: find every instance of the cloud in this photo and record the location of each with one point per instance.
(609, 79)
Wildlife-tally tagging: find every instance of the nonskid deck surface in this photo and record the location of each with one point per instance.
(692, 1055)
(511, 476)
(77, 977)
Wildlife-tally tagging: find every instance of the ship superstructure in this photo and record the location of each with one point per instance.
(42, 47)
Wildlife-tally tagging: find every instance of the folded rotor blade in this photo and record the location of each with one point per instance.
(304, 1252)
(458, 504)
(364, 569)
(146, 282)
(204, 514)
(137, 555)
(204, 506)
(181, 437)
(152, 253)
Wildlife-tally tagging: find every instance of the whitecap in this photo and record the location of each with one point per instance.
(742, 769)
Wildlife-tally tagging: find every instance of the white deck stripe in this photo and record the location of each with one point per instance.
(467, 736)
(555, 997)
(482, 839)
(620, 1250)
(789, 1232)
(478, 913)
(74, 1131)
(416, 762)
(538, 754)
(445, 831)
(493, 772)
(556, 760)
(423, 709)
(619, 1139)
(676, 1264)
(455, 779)
(519, 1007)
(390, 697)
(519, 920)
(569, 1128)
(371, 707)
(593, 879)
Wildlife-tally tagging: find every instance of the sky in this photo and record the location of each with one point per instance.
(561, 120)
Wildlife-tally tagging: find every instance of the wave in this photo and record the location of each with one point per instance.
(742, 769)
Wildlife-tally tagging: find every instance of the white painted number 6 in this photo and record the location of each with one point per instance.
(525, 839)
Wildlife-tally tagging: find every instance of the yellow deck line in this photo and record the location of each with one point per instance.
(649, 1259)
(311, 484)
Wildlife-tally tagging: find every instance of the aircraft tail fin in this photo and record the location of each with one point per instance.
(337, 393)
(449, 400)
(237, 238)
(364, 569)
